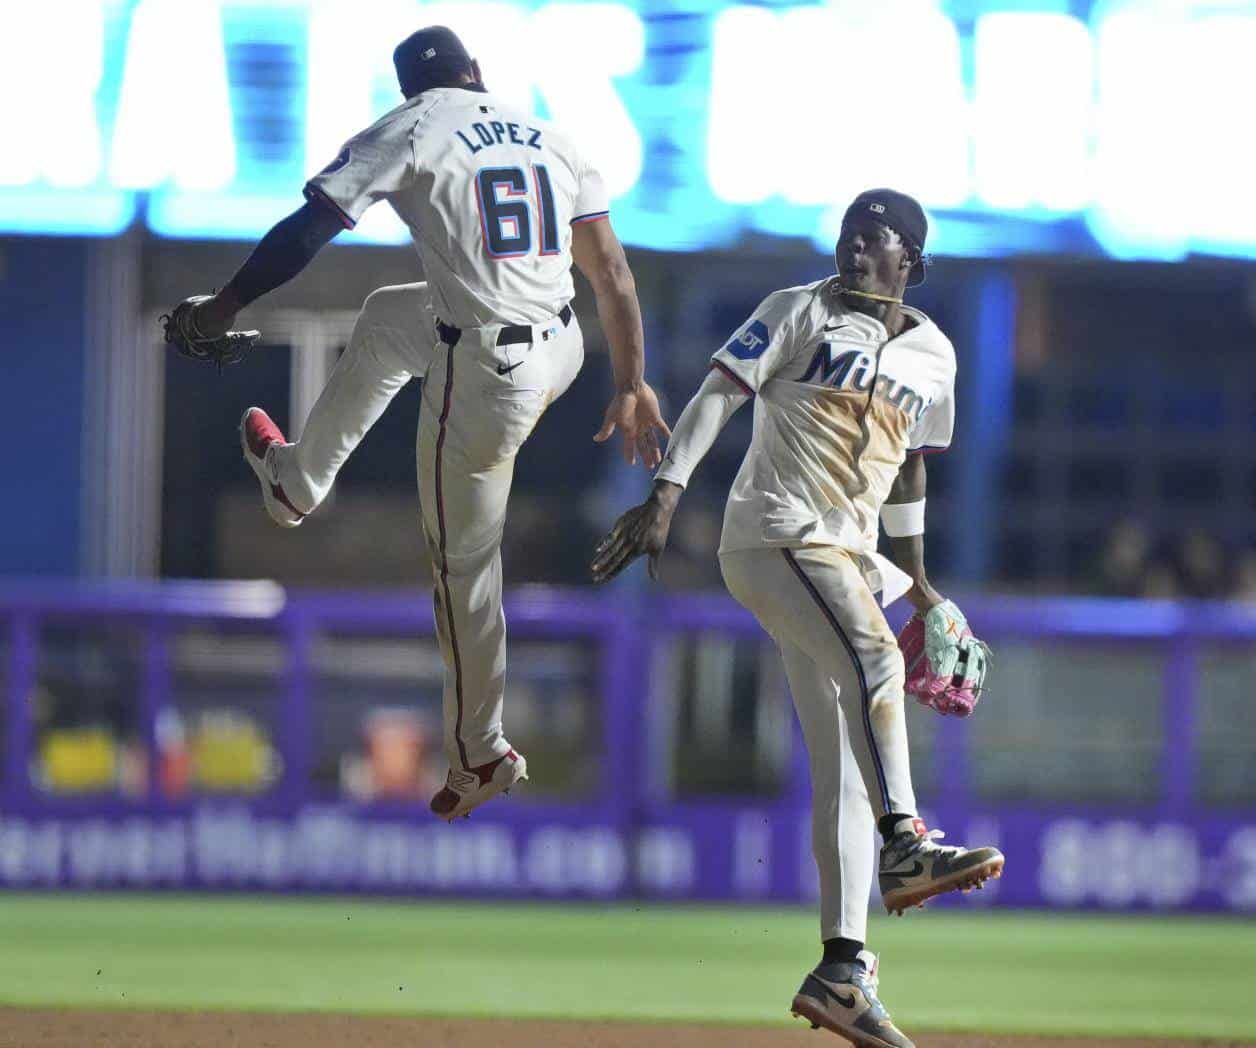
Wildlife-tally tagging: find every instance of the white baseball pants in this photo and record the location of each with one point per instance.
(846, 678)
(480, 402)
(392, 342)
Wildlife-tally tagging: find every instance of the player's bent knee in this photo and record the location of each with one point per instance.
(403, 302)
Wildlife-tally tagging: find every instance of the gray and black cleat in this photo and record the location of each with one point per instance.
(915, 869)
(843, 998)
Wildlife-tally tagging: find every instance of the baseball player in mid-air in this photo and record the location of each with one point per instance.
(499, 204)
(850, 388)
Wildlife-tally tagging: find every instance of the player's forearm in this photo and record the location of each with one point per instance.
(698, 426)
(621, 319)
(666, 494)
(279, 256)
(620, 313)
(908, 552)
(282, 253)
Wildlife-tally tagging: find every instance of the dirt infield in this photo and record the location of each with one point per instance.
(47, 1028)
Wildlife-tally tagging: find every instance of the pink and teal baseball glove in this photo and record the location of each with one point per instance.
(946, 665)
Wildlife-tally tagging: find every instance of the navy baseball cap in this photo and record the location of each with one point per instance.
(429, 57)
(902, 214)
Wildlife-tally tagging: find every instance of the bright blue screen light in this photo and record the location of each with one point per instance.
(1023, 128)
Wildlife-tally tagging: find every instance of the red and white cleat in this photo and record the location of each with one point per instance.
(466, 790)
(258, 434)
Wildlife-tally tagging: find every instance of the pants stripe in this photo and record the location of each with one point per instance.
(444, 559)
(859, 672)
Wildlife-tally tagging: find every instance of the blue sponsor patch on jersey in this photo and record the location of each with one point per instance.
(338, 163)
(750, 342)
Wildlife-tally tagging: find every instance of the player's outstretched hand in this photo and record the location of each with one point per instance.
(636, 415)
(643, 529)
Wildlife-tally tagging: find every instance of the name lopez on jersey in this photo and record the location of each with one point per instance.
(496, 132)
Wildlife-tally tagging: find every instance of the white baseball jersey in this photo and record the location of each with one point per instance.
(838, 405)
(489, 193)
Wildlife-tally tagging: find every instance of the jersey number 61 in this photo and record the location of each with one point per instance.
(506, 211)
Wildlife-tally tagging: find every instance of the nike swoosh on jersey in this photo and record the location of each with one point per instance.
(839, 327)
(504, 369)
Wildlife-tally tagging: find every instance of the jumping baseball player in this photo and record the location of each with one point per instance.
(850, 387)
(499, 205)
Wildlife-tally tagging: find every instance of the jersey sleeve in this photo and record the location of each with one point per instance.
(591, 201)
(762, 345)
(696, 429)
(934, 429)
(372, 165)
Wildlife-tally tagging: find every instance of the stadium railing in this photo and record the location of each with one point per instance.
(1169, 845)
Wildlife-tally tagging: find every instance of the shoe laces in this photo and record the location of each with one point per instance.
(871, 966)
(928, 838)
(867, 980)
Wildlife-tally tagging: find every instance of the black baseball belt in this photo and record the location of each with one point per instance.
(508, 335)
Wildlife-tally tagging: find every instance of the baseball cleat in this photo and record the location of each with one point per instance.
(844, 1000)
(466, 790)
(258, 434)
(914, 869)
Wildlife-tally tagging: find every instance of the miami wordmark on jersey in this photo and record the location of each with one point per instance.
(838, 405)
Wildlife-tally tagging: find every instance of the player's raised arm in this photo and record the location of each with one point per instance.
(200, 326)
(644, 528)
(371, 166)
(280, 255)
(634, 410)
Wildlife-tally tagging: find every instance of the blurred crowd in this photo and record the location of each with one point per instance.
(1132, 560)
(1135, 562)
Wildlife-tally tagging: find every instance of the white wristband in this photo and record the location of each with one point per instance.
(903, 519)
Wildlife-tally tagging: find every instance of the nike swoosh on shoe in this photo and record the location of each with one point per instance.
(844, 1001)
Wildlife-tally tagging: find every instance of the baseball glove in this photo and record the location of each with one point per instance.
(946, 665)
(181, 332)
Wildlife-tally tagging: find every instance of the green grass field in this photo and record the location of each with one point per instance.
(995, 973)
